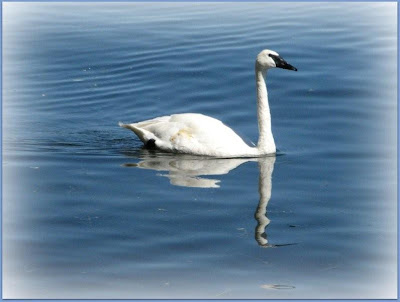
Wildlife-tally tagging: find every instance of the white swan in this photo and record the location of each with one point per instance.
(198, 134)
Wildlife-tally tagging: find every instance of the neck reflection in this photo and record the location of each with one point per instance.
(266, 167)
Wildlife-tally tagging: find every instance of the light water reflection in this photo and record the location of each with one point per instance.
(189, 171)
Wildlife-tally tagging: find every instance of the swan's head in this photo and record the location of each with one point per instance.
(269, 59)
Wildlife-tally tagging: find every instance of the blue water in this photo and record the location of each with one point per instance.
(88, 213)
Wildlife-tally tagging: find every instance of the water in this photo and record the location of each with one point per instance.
(87, 213)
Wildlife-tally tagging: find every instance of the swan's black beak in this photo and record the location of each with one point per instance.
(281, 63)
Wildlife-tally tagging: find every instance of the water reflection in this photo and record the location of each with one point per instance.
(186, 171)
(266, 167)
(190, 172)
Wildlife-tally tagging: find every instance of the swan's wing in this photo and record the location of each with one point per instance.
(210, 132)
(201, 134)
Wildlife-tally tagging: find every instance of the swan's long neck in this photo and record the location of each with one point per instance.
(266, 143)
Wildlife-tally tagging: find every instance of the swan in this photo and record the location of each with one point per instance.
(198, 134)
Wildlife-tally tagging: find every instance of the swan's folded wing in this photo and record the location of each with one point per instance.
(201, 134)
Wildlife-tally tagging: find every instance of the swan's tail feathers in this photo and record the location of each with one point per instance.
(121, 124)
(127, 126)
(141, 133)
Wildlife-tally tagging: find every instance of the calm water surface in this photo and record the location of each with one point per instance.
(87, 213)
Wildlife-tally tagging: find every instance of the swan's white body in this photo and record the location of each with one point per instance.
(198, 134)
(192, 133)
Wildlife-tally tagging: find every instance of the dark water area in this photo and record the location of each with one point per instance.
(88, 213)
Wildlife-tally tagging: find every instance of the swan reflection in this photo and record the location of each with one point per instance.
(191, 171)
(186, 171)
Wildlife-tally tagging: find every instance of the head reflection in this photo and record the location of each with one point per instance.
(194, 171)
